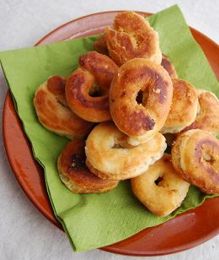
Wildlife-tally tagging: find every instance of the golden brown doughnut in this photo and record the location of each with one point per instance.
(184, 107)
(208, 116)
(53, 112)
(140, 99)
(168, 66)
(87, 87)
(159, 188)
(130, 37)
(109, 160)
(195, 156)
(74, 173)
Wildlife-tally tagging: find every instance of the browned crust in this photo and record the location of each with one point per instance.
(100, 66)
(77, 86)
(95, 69)
(53, 112)
(131, 36)
(74, 173)
(56, 85)
(140, 75)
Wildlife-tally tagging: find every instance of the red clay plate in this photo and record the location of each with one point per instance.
(183, 232)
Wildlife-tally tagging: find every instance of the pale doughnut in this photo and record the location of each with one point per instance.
(159, 188)
(107, 159)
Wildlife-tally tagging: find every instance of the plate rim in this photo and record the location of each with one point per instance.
(38, 205)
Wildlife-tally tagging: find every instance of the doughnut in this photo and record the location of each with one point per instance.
(208, 117)
(53, 112)
(168, 66)
(131, 36)
(195, 156)
(184, 107)
(74, 173)
(140, 99)
(159, 188)
(107, 159)
(87, 87)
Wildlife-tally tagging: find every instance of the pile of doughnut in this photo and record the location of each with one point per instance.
(120, 108)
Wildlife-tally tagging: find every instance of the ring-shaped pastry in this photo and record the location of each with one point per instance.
(87, 87)
(160, 189)
(109, 160)
(74, 173)
(132, 37)
(195, 156)
(140, 99)
(53, 112)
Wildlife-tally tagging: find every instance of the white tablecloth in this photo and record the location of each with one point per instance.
(25, 233)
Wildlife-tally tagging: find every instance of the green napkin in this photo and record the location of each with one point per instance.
(96, 220)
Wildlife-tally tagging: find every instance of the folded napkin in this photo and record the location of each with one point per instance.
(96, 220)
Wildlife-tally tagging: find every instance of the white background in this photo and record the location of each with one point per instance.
(24, 233)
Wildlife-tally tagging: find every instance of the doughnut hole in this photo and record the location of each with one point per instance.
(95, 91)
(86, 98)
(142, 97)
(158, 181)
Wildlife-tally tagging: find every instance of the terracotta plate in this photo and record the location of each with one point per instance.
(183, 232)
